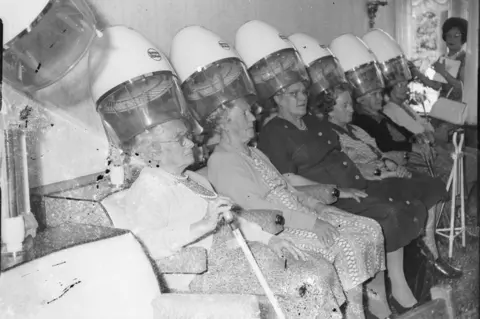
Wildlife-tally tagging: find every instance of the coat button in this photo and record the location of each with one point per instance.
(357, 177)
(320, 133)
(329, 142)
(345, 163)
(390, 199)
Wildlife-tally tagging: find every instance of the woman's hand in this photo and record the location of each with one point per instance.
(415, 71)
(421, 138)
(325, 193)
(403, 172)
(424, 150)
(439, 67)
(325, 232)
(400, 158)
(430, 136)
(356, 194)
(278, 245)
(216, 210)
(370, 171)
(390, 164)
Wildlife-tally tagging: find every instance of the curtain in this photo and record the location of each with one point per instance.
(404, 32)
(471, 68)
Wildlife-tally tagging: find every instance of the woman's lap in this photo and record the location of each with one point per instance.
(400, 222)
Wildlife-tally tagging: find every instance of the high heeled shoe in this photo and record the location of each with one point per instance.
(397, 308)
(442, 267)
(447, 270)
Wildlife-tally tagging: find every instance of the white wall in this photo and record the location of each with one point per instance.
(471, 67)
(160, 20)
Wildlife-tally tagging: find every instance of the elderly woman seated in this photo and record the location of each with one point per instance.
(419, 129)
(354, 244)
(364, 152)
(169, 208)
(394, 135)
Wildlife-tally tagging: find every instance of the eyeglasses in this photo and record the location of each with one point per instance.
(182, 139)
(402, 85)
(296, 93)
(454, 35)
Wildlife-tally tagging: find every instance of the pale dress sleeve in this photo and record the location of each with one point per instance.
(231, 177)
(399, 116)
(153, 218)
(251, 231)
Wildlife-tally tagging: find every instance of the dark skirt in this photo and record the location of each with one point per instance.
(426, 189)
(402, 220)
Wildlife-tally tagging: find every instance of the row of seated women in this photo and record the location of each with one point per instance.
(332, 245)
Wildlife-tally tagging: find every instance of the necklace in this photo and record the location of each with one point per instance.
(180, 177)
(198, 189)
(301, 126)
(192, 185)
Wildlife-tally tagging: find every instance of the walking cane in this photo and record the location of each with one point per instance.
(429, 162)
(230, 220)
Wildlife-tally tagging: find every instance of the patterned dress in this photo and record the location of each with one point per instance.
(159, 210)
(357, 253)
(362, 149)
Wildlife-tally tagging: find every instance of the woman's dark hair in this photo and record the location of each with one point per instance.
(387, 91)
(327, 100)
(455, 22)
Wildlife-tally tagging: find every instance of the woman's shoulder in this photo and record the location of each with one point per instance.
(153, 177)
(199, 179)
(274, 127)
(362, 120)
(462, 56)
(357, 129)
(221, 154)
(390, 106)
(223, 159)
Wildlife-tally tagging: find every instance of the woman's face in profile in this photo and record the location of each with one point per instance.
(241, 121)
(342, 112)
(453, 39)
(372, 101)
(401, 91)
(174, 144)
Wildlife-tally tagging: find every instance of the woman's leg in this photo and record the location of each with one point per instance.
(400, 289)
(354, 308)
(377, 296)
(429, 237)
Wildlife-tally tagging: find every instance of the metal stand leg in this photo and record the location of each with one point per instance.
(456, 185)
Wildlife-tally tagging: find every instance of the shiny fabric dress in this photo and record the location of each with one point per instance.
(160, 209)
(315, 153)
(254, 183)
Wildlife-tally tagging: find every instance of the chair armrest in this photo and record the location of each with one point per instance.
(190, 260)
(214, 306)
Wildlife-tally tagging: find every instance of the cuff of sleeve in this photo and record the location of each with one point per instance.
(254, 232)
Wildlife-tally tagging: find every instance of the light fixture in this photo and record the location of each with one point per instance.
(372, 8)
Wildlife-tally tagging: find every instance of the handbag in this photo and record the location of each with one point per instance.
(419, 271)
(449, 110)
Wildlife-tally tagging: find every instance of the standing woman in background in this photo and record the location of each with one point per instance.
(454, 33)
